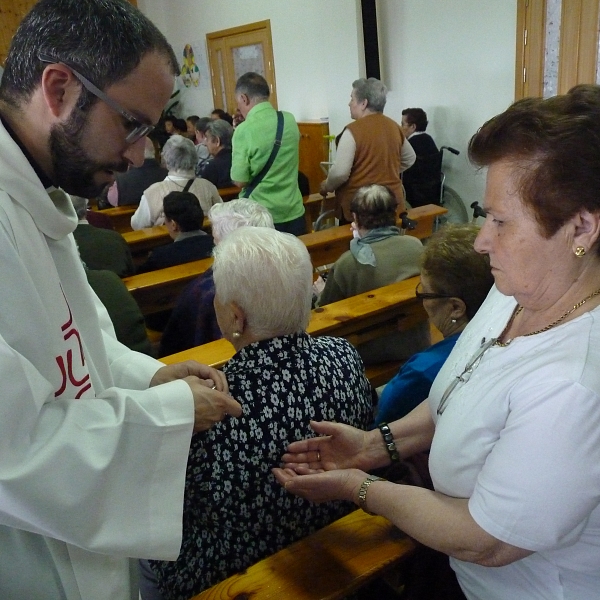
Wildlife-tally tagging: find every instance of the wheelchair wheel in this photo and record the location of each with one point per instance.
(457, 213)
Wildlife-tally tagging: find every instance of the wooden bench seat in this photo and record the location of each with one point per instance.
(120, 217)
(324, 247)
(144, 240)
(329, 564)
(229, 193)
(358, 319)
(156, 291)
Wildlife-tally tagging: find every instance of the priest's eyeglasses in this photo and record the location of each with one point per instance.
(138, 130)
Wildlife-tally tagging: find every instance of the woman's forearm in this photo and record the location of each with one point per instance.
(414, 432)
(440, 522)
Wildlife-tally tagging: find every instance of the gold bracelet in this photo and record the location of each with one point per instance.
(362, 491)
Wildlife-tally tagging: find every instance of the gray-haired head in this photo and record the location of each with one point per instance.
(371, 90)
(218, 128)
(202, 123)
(226, 217)
(179, 154)
(374, 206)
(80, 205)
(255, 86)
(103, 39)
(268, 274)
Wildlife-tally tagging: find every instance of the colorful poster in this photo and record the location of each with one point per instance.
(194, 67)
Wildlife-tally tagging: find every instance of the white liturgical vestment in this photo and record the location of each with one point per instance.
(92, 464)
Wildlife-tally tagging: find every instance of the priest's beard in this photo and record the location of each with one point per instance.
(73, 169)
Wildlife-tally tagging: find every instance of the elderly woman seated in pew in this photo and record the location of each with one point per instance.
(512, 420)
(378, 255)
(180, 157)
(193, 321)
(234, 511)
(455, 280)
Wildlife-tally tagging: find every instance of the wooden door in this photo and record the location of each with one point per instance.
(233, 52)
(557, 46)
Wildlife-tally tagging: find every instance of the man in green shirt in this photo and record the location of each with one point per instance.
(253, 141)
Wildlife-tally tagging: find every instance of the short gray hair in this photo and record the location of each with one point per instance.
(226, 217)
(80, 205)
(371, 90)
(220, 129)
(268, 274)
(374, 206)
(255, 86)
(179, 153)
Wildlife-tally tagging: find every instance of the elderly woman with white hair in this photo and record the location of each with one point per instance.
(234, 512)
(180, 157)
(193, 321)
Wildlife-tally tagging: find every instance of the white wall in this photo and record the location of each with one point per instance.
(454, 58)
(315, 47)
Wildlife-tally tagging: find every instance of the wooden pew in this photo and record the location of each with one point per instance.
(120, 217)
(324, 247)
(358, 319)
(230, 193)
(328, 245)
(329, 564)
(158, 290)
(144, 240)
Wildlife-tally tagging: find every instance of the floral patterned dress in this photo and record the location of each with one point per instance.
(235, 513)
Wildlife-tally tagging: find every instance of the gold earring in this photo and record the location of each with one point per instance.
(580, 251)
(236, 334)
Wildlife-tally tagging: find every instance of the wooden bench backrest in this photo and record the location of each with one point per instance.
(358, 319)
(120, 217)
(156, 291)
(324, 247)
(329, 564)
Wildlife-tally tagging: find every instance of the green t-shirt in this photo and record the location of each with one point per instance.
(252, 143)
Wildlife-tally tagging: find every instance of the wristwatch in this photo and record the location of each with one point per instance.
(364, 488)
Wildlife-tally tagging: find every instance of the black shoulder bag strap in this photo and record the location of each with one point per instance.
(260, 176)
(188, 185)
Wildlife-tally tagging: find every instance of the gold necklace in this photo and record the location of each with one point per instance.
(558, 321)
